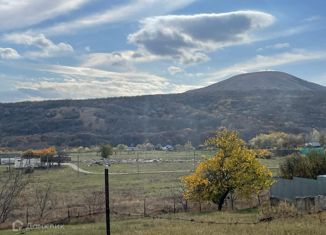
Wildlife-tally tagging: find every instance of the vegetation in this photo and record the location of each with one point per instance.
(189, 224)
(51, 151)
(11, 186)
(309, 166)
(106, 150)
(277, 140)
(234, 169)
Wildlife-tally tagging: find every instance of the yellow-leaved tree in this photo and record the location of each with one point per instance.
(234, 169)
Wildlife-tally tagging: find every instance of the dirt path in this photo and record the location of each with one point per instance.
(75, 168)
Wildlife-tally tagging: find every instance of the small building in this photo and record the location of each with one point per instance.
(312, 146)
(43, 158)
(168, 148)
(22, 163)
(8, 158)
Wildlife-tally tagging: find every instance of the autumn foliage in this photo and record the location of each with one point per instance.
(233, 169)
(51, 151)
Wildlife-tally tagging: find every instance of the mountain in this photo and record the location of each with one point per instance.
(258, 81)
(250, 103)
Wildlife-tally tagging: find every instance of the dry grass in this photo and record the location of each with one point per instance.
(306, 224)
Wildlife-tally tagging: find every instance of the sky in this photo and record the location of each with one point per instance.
(81, 49)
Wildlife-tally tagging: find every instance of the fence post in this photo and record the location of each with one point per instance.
(174, 210)
(145, 214)
(27, 215)
(137, 162)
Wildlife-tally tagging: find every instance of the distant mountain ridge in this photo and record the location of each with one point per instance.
(250, 103)
(267, 80)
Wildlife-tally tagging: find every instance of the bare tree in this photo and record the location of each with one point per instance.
(179, 197)
(44, 199)
(94, 201)
(11, 185)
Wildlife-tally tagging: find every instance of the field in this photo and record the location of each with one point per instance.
(197, 223)
(150, 184)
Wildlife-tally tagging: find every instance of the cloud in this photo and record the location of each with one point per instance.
(281, 45)
(116, 60)
(262, 62)
(174, 70)
(313, 18)
(46, 46)
(15, 14)
(80, 83)
(277, 46)
(188, 38)
(9, 53)
(132, 10)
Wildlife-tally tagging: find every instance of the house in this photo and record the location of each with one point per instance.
(22, 163)
(8, 158)
(168, 148)
(132, 148)
(41, 158)
(312, 146)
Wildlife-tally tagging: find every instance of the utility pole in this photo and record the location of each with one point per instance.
(78, 164)
(194, 160)
(107, 200)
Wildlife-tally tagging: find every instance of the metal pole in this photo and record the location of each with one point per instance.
(194, 160)
(107, 200)
(78, 164)
(137, 163)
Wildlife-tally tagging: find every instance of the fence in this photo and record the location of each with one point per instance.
(285, 189)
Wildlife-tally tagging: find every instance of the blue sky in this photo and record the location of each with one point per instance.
(77, 49)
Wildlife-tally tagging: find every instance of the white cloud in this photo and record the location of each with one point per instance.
(46, 46)
(188, 37)
(174, 70)
(15, 14)
(313, 18)
(80, 82)
(277, 46)
(132, 10)
(8, 53)
(261, 62)
(116, 60)
(281, 45)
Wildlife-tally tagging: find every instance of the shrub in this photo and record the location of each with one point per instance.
(309, 166)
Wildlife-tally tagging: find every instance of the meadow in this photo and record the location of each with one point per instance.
(196, 223)
(150, 180)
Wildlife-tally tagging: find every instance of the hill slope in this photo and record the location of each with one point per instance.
(251, 103)
(258, 81)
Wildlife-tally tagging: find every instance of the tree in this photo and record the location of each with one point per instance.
(106, 150)
(45, 199)
(322, 139)
(233, 169)
(122, 147)
(11, 186)
(188, 146)
(277, 140)
(309, 166)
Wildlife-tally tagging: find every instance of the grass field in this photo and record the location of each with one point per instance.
(195, 223)
(127, 192)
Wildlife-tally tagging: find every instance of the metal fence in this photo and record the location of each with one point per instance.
(285, 189)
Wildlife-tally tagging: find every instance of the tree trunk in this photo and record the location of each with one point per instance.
(222, 199)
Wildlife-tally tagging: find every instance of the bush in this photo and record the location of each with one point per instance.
(106, 150)
(309, 166)
(282, 210)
